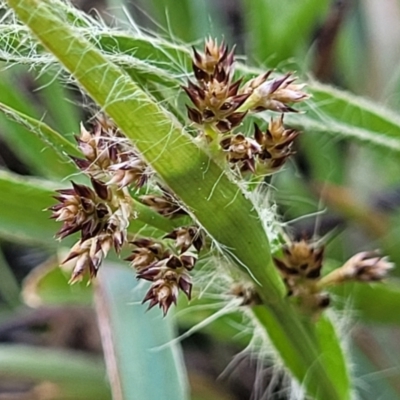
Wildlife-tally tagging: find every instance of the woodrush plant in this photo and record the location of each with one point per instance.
(213, 178)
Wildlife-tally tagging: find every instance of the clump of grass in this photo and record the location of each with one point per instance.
(207, 177)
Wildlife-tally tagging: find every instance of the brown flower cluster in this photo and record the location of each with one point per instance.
(218, 100)
(101, 213)
(265, 153)
(247, 293)
(167, 267)
(215, 96)
(221, 104)
(301, 265)
(109, 156)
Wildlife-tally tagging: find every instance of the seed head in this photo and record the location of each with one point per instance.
(275, 94)
(99, 147)
(216, 62)
(186, 237)
(367, 266)
(109, 157)
(248, 294)
(130, 170)
(147, 252)
(167, 267)
(169, 275)
(163, 292)
(216, 103)
(215, 96)
(241, 150)
(88, 256)
(250, 86)
(82, 209)
(301, 259)
(275, 144)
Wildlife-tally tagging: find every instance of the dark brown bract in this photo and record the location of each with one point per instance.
(109, 156)
(167, 267)
(82, 209)
(275, 144)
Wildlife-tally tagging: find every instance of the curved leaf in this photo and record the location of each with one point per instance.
(81, 377)
(138, 368)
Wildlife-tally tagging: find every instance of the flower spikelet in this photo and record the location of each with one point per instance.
(241, 150)
(216, 61)
(275, 94)
(88, 256)
(301, 267)
(167, 267)
(215, 96)
(275, 144)
(367, 266)
(109, 156)
(186, 237)
(301, 261)
(82, 209)
(146, 252)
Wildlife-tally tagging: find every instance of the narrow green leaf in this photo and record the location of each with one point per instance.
(373, 303)
(21, 210)
(163, 61)
(138, 368)
(26, 144)
(322, 340)
(80, 377)
(345, 115)
(332, 353)
(63, 113)
(356, 111)
(53, 139)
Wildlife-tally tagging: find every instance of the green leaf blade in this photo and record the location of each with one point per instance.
(142, 361)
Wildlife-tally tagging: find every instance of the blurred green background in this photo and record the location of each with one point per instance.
(336, 188)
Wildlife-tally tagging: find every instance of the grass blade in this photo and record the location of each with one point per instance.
(131, 336)
(49, 136)
(16, 132)
(23, 220)
(80, 377)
